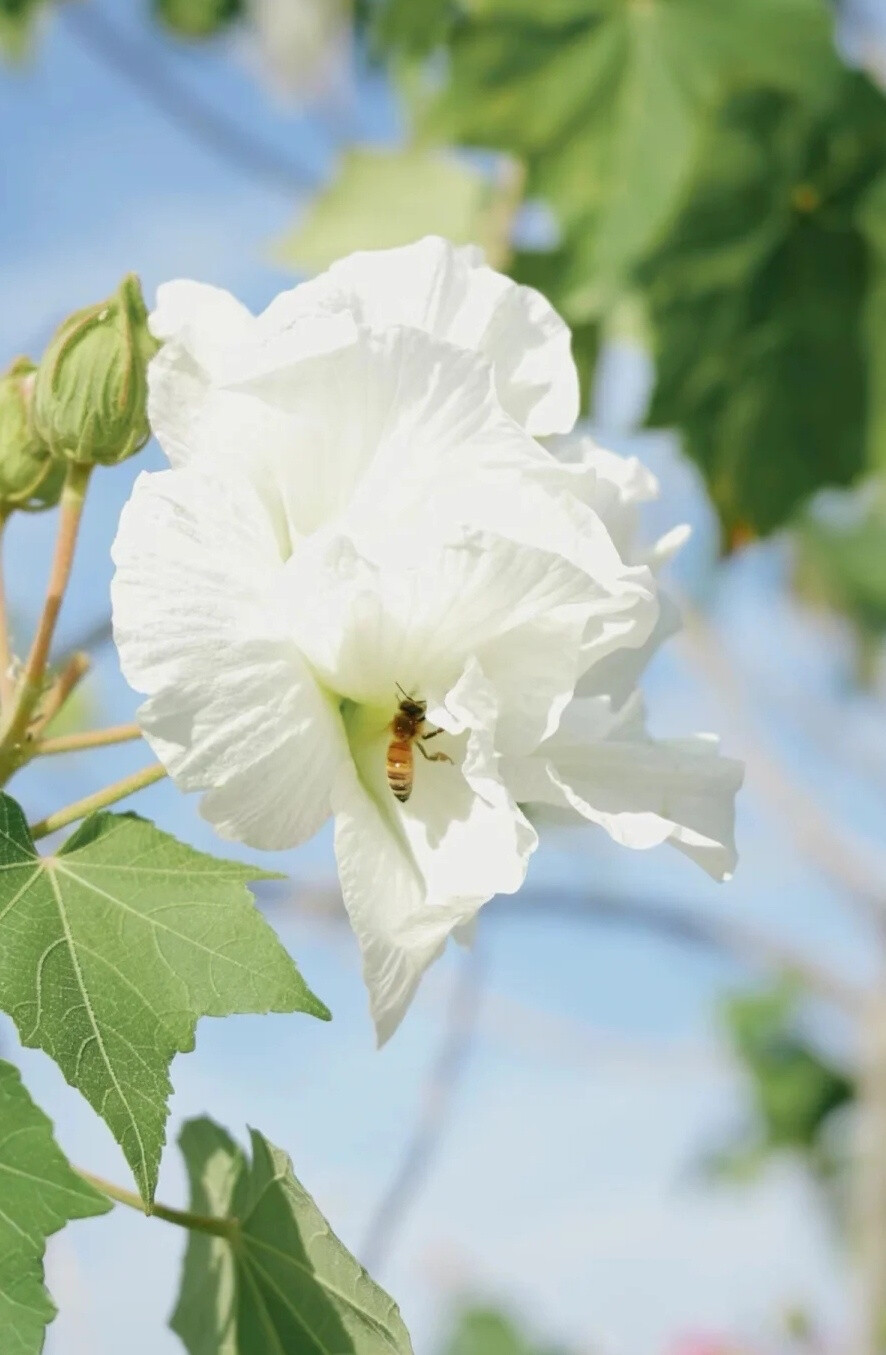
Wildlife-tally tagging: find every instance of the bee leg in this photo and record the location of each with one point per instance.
(433, 757)
(433, 734)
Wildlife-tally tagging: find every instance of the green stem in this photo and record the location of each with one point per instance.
(182, 1218)
(30, 689)
(100, 800)
(69, 678)
(94, 738)
(7, 685)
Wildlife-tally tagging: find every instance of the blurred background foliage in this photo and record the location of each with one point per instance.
(709, 177)
(795, 1092)
(706, 178)
(484, 1331)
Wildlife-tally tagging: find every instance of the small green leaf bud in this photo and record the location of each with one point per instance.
(29, 478)
(198, 18)
(90, 397)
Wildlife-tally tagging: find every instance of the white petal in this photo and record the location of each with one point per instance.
(523, 614)
(413, 874)
(395, 436)
(213, 344)
(616, 674)
(233, 708)
(207, 321)
(451, 294)
(615, 487)
(603, 767)
(415, 437)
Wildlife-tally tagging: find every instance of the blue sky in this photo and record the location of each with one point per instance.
(563, 1187)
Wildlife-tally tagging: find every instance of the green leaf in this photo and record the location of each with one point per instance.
(383, 198)
(840, 564)
(195, 19)
(605, 100)
(110, 951)
(205, 1316)
(757, 300)
(402, 26)
(872, 219)
(485, 1331)
(18, 19)
(39, 1194)
(280, 1280)
(795, 1089)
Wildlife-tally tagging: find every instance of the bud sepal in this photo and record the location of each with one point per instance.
(29, 478)
(90, 396)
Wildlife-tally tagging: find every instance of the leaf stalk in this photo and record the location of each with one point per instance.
(182, 1218)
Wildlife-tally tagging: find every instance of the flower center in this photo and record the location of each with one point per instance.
(387, 744)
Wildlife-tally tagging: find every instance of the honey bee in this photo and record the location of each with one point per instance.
(406, 734)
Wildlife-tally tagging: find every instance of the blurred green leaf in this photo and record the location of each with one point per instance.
(758, 301)
(485, 1331)
(277, 1279)
(17, 21)
(840, 564)
(605, 100)
(198, 18)
(795, 1089)
(872, 218)
(551, 274)
(39, 1193)
(402, 26)
(846, 562)
(382, 198)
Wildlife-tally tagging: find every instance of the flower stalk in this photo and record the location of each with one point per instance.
(92, 738)
(119, 790)
(870, 1179)
(70, 677)
(6, 678)
(31, 686)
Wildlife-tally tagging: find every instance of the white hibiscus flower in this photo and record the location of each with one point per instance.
(359, 514)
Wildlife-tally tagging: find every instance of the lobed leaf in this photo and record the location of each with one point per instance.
(758, 300)
(111, 949)
(39, 1193)
(606, 99)
(280, 1280)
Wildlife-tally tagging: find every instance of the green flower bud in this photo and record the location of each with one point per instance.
(29, 478)
(90, 397)
(198, 18)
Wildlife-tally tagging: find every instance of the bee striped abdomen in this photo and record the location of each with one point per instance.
(400, 764)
